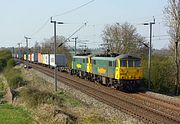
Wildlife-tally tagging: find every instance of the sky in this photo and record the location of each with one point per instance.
(31, 18)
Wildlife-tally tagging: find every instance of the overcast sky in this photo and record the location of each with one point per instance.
(31, 18)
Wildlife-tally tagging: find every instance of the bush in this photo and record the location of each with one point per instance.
(5, 55)
(162, 74)
(11, 63)
(35, 97)
(2, 64)
(15, 81)
(14, 78)
(68, 100)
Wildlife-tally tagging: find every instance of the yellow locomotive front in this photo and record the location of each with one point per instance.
(129, 72)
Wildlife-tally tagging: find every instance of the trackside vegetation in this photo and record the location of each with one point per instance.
(14, 115)
(10, 114)
(5, 55)
(162, 74)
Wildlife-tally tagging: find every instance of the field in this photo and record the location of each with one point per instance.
(14, 115)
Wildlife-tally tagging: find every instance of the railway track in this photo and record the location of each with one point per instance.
(164, 106)
(135, 105)
(177, 104)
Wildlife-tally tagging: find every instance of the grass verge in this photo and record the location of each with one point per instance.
(68, 100)
(14, 115)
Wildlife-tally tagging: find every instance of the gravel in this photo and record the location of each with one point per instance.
(108, 111)
(164, 97)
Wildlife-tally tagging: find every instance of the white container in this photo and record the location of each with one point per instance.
(32, 57)
(45, 59)
(61, 60)
(28, 57)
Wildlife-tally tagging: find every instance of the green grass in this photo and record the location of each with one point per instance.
(68, 100)
(14, 115)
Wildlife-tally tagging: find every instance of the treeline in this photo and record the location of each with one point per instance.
(124, 39)
(5, 55)
(47, 46)
(162, 74)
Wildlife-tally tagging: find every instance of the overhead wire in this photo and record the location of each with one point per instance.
(74, 9)
(64, 13)
(41, 27)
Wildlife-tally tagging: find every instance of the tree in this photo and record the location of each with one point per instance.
(36, 47)
(123, 39)
(48, 47)
(5, 55)
(163, 74)
(172, 14)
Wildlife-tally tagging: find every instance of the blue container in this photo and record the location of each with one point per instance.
(19, 55)
(36, 57)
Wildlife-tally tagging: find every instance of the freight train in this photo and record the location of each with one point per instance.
(47, 60)
(117, 71)
(123, 72)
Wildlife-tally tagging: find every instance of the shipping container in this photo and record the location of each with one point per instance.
(14, 55)
(35, 57)
(61, 60)
(45, 59)
(28, 57)
(42, 59)
(24, 56)
(39, 58)
(19, 55)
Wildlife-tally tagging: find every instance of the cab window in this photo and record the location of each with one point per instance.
(83, 60)
(137, 63)
(110, 63)
(130, 63)
(123, 63)
(94, 61)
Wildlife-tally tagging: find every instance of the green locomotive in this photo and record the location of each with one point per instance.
(119, 71)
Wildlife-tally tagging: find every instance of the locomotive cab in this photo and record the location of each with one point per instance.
(128, 71)
(128, 68)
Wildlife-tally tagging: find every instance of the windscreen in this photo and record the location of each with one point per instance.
(130, 63)
(137, 63)
(123, 63)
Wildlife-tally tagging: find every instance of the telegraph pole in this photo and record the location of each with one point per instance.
(150, 52)
(19, 46)
(13, 52)
(75, 40)
(55, 68)
(18, 50)
(177, 65)
(27, 38)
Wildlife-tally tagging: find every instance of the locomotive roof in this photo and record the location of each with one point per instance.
(104, 58)
(85, 56)
(123, 56)
(127, 56)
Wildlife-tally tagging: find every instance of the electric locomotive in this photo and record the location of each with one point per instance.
(118, 71)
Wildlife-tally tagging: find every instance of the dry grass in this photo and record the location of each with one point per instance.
(40, 98)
